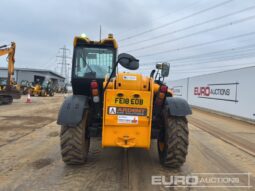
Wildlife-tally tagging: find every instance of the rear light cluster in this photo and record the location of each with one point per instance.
(163, 88)
(95, 91)
(161, 95)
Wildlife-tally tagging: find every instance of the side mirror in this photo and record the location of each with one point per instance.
(128, 61)
(164, 67)
(125, 60)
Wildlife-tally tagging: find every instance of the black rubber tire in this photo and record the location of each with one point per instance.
(175, 141)
(5, 100)
(74, 142)
(10, 100)
(1, 100)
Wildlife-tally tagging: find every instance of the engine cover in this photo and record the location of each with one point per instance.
(131, 81)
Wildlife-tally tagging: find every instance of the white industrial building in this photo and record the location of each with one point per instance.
(33, 75)
(230, 92)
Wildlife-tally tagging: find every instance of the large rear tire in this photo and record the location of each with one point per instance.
(173, 142)
(6, 99)
(75, 142)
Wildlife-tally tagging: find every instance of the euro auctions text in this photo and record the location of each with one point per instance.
(217, 180)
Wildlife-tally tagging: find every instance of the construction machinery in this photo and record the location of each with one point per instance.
(125, 109)
(62, 89)
(8, 91)
(3, 83)
(25, 87)
(44, 89)
(48, 88)
(36, 89)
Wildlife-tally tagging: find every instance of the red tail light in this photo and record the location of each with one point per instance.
(94, 85)
(163, 88)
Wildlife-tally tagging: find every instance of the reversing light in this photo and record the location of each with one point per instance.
(96, 99)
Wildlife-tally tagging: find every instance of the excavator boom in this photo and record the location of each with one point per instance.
(9, 93)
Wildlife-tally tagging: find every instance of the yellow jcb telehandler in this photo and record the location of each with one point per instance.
(125, 109)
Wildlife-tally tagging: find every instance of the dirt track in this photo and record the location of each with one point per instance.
(30, 154)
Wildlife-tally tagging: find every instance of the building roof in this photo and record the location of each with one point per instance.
(35, 70)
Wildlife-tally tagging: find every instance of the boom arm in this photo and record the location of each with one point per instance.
(11, 60)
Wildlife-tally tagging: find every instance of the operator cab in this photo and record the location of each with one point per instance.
(92, 60)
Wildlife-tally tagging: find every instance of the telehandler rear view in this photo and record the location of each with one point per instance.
(125, 109)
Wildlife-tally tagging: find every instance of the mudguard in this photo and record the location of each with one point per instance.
(177, 106)
(71, 111)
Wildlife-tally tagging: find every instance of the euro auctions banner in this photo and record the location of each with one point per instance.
(231, 92)
(177, 90)
(219, 91)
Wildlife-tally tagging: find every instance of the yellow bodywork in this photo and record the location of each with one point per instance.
(128, 104)
(36, 90)
(127, 111)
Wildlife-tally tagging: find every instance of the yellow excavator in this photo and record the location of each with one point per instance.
(9, 92)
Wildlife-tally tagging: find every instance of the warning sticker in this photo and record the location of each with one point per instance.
(127, 119)
(129, 77)
(127, 111)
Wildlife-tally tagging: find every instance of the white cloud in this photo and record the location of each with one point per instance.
(40, 28)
